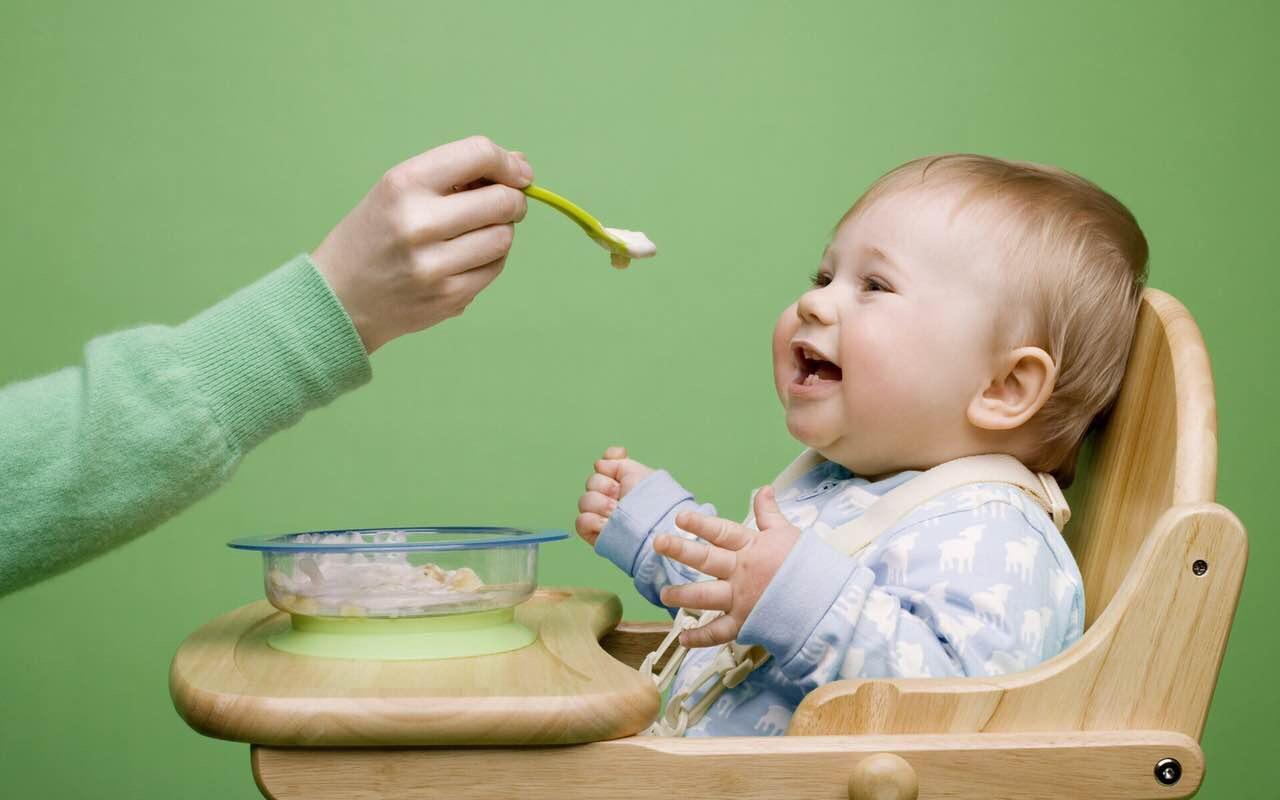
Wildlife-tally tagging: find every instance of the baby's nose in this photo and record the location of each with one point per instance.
(816, 306)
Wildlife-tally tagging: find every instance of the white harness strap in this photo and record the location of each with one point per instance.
(897, 503)
(734, 661)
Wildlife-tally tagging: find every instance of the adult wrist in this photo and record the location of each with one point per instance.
(273, 350)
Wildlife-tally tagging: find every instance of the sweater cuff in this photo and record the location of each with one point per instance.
(272, 351)
(801, 593)
(633, 520)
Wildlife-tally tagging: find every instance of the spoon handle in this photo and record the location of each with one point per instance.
(576, 213)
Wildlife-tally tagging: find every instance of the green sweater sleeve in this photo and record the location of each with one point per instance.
(157, 417)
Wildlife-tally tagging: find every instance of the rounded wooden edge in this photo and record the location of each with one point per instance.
(206, 710)
(255, 764)
(883, 776)
(1196, 468)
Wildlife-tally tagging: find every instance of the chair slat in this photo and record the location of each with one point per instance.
(1158, 448)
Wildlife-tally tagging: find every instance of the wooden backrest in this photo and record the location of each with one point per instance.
(1162, 565)
(1157, 448)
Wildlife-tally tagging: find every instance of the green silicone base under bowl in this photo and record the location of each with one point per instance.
(475, 633)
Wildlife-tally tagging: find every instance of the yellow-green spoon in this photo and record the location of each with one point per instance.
(623, 245)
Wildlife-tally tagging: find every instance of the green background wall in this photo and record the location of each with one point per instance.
(155, 157)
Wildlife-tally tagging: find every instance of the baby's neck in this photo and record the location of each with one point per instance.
(976, 442)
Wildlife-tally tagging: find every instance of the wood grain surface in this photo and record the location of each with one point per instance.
(227, 682)
(1098, 766)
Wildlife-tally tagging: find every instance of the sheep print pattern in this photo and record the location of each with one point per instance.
(976, 582)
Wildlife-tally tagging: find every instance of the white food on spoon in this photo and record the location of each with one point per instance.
(638, 246)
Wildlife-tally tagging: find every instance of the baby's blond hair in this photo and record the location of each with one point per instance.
(1081, 263)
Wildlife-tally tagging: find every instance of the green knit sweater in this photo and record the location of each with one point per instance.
(157, 417)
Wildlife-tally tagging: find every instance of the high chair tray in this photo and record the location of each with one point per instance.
(227, 682)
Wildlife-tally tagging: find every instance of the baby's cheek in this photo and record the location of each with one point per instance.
(785, 328)
(868, 393)
(868, 353)
(873, 371)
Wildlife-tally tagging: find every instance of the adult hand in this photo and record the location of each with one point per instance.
(432, 233)
(744, 560)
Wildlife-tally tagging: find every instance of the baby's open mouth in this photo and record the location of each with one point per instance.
(813, 367)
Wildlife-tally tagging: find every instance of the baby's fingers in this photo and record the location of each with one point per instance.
(766, 507)
(589, 527)
(609, 467)
(717, 631)
(701, 595)
(604, 485)
(705, 558)
(596, 503)
(722, 532)
(611, 463)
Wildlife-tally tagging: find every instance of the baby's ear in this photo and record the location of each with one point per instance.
(1022, 383)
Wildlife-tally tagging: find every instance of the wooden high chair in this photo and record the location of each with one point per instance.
(1117, 715)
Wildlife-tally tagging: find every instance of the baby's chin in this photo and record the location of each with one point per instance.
(836, 443)
(809, 430)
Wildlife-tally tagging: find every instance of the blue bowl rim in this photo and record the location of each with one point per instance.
(514, 537)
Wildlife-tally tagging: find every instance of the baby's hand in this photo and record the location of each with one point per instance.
(615, 476)
(744, 561)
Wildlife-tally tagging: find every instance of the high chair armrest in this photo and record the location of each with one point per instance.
(630, 642)
(1100, 765)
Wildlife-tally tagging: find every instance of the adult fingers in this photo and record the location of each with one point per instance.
(478, 248)
(589, 526)
(701, 595)
(433, 219)
(604, 485)
(767, 513)
(596, 503)
(717, 631)
(458, 163)
(707, 559)
(722, 532)
(473, 281)
(524, 159)
(478, 182)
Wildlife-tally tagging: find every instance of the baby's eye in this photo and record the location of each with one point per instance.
(820, 279)
(874, 285)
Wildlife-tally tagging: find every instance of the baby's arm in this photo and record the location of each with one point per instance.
(950, 595)
(626, 534)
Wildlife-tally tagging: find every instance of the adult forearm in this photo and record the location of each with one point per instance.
(157, 417)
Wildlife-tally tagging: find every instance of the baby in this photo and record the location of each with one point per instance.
(965, 305)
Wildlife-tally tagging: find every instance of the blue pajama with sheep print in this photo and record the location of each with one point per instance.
(976, 582)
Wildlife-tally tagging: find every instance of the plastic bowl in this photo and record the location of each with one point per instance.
(399, 572)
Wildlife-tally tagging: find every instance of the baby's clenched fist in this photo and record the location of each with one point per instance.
(615, 475)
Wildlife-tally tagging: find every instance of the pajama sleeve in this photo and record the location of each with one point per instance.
(969, 592)
(627, 538)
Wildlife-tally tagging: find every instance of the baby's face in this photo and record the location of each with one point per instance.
(877, 362)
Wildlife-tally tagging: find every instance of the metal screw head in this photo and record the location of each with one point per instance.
(1168, 771)
(1200, 566)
